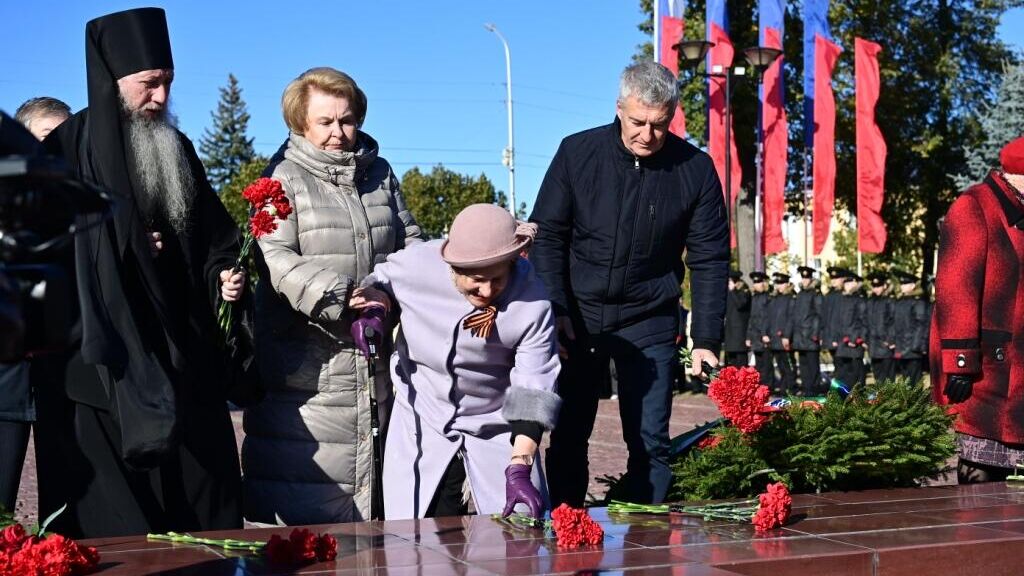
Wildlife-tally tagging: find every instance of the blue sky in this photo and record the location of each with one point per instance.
(433, 75)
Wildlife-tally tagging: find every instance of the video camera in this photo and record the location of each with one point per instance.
(40, 201)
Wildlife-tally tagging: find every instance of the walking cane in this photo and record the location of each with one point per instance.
(363, 327)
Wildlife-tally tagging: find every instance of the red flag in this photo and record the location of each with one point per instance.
(776, 145)
(871, 150)
(826, 54)
(721, 54)
(670, 32)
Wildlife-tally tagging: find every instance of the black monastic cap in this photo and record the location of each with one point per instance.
(132, 41)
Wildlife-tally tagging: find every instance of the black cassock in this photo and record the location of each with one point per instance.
(133, 429)
(144, 443)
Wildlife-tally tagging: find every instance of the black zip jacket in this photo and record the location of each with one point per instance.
(613, 228)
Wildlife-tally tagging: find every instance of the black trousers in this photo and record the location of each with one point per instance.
(810, 371)
(763, 363)
(884, 369)
(736, 359)
(912, 369)
(448, 500)
(13, 445)
(784, 360)
(849, 371)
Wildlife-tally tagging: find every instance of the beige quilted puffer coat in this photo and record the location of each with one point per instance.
(307, 454)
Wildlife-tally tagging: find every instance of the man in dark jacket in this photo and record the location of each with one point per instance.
(807, 331)
(780, 331)
(851, 332)
(880, 308)
(910, 328)
(618, 206)
(757, 327)
(737, 315)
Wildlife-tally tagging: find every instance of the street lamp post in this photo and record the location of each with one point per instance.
(759, 58)
(693, 53)
(508, 157)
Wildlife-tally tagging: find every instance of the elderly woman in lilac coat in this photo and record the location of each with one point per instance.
(474, 370)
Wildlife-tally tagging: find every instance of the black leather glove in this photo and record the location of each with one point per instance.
(958, 387)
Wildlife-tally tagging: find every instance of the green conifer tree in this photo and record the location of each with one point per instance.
(224, 146)
(1001, 122)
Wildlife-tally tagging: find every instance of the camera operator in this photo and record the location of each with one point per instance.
(17, 410)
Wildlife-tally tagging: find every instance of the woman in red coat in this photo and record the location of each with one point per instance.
(977, 343)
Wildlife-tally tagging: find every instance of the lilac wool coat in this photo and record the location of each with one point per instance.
(455, 392)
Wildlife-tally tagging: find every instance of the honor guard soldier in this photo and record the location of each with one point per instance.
(807, 331)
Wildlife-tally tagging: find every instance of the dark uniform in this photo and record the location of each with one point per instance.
(737, 316)
(829, 305)
(880, 330)
(780, 332)
(758, 327)
(910, 330)
(852, 333)
(807, 309)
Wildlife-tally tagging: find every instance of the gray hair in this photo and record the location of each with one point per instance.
(650, 83)
(41, 107)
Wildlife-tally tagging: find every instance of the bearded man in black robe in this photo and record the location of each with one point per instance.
(134, 433)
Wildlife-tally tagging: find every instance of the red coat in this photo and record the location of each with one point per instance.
(978, 325)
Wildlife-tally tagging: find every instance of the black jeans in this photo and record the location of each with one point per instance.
(646, 360)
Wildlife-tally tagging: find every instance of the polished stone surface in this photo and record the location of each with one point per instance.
(976, 529)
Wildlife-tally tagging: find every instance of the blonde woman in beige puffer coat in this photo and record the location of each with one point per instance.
(307, 454)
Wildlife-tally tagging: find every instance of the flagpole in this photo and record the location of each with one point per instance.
(656, 36)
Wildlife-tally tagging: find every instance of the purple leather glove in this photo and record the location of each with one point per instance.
(370, 318)
(519, 490)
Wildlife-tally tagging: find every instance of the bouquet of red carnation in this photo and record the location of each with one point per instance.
(268, 205)
(24, 554)
(302, 547)
(770, 510)
(741, 397)
(573, 527)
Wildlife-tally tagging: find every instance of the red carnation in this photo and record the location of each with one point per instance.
(574, 527)
(261, 224)
(278, 550)
(303, 545)
(12, 536)
(262, 191)
(326, 548)
(708, 442)
(775, 507)
(282, 208)
(740, 397)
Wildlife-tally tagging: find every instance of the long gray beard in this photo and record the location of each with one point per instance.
(161, 167)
